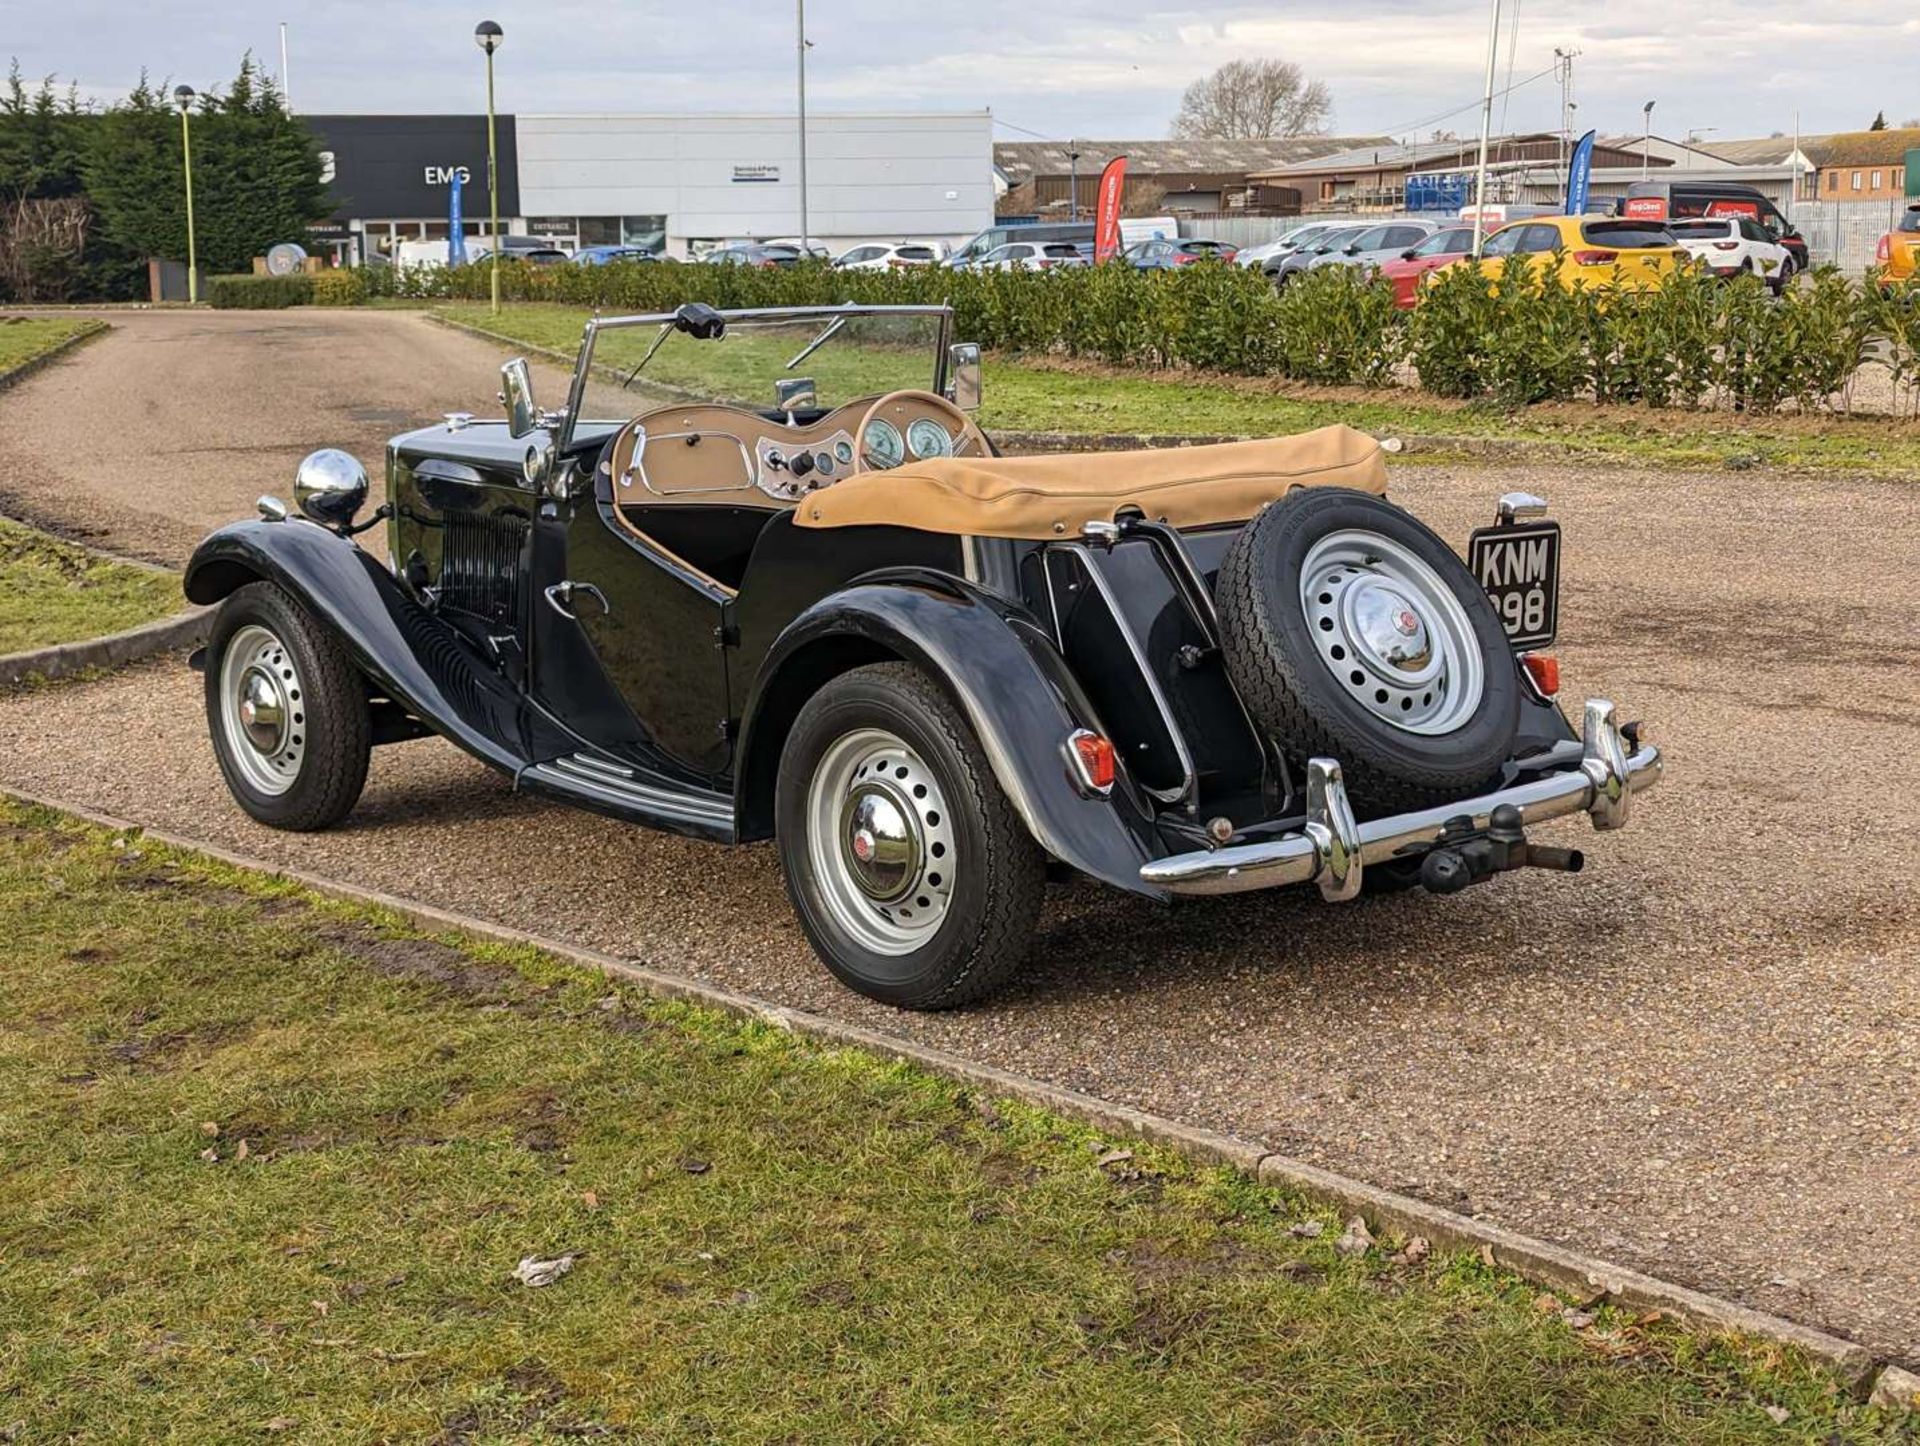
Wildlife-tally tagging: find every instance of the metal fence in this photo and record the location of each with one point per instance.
(1846, 233)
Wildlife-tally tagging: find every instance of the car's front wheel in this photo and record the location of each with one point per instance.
(287, 712)
(913, 876)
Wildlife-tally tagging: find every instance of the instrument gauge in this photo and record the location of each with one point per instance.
(843, 451)
(882, 445)
(927, 438)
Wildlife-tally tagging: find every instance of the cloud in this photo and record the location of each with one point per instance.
(1088, 67)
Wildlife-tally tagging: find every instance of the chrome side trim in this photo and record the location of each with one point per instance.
(614, 783)
(1606, 777)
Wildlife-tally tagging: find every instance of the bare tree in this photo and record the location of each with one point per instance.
(1248, 99)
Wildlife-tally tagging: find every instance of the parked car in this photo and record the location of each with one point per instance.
(1282, 271)
(994, 237)
(813, 250)
(837, 617)
(1407, 270)
(765, 257)
(1583, 251)
(1377, 245)
(605, 255)
(875, 256)
(1898, 254)
(1665, 201)
(1167, 253)
(1290, 240)
(1735, 246)
(1033, 256)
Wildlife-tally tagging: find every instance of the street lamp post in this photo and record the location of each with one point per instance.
(1646, 137)
(801, 46)
(183, 98)
(487, 35)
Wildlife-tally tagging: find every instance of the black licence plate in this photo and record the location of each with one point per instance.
(1519, 566)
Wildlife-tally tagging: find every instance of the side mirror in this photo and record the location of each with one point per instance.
(516, 390)
(963, 375)
(1407, 255)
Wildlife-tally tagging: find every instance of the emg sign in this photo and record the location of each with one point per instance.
(399, 167)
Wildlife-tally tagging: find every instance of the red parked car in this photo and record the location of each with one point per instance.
(1411, 268)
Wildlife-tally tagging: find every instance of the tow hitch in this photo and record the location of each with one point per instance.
(1464, 855)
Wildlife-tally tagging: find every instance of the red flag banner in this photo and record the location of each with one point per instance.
(1106, 215)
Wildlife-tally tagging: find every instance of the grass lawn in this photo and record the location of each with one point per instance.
(53, 592)
(22, 338)
(270, 1163)
(1025, 396)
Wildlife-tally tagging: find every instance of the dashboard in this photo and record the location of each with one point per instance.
(702, 450)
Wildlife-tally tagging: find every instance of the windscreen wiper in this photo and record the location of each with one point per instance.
(640, 365)
(819, 341)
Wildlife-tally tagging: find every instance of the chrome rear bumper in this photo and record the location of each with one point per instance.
(1596, 776)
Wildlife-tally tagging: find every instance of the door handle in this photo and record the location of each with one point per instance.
(561, 594)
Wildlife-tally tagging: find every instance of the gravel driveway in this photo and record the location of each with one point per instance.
(1700, 1058)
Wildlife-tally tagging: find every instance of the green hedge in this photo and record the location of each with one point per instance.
(1696, 341)
(259, 293)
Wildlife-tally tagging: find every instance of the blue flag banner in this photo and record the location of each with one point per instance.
(456, 228)
(1578, 170)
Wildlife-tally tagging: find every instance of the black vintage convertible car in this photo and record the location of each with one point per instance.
(796, 592)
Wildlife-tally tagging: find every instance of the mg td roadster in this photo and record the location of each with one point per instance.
(795, 592)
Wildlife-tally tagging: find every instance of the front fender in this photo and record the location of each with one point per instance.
(409, 654)
(1005, 676)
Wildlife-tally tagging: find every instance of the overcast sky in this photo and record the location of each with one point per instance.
(1093, 68)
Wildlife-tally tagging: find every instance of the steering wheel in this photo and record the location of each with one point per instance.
(968, 439)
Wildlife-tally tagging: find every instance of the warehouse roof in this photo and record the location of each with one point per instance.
(1023, 160)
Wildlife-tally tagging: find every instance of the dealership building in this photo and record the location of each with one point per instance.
(677, 184)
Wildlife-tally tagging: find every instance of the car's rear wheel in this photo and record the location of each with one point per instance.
(287, 712)
(913, 876)
(1355, 633)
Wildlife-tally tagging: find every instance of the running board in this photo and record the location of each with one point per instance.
(625, 792)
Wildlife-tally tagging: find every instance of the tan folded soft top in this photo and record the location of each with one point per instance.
(1051, 496)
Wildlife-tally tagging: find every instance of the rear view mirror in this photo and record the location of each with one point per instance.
(516, 390)
(963, 375)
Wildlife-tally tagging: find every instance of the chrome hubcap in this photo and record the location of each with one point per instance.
(262, 716)
(880, 841)
(1390, 629)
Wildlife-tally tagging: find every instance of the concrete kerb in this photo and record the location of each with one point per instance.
(1388, 1213)
(53, 354)
(65, 660)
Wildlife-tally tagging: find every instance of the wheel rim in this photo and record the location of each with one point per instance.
(262, 716)
(1389, 628)
(880, 840)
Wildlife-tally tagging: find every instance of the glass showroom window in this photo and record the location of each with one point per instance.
(649, 233)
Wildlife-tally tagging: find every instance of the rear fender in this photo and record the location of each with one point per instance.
(408, 654)
(1005, 676)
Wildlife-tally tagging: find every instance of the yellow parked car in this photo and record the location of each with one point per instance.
(1898, 255)
(1582, 251)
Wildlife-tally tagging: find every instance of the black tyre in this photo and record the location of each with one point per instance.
(1355, 633)
(915, 880)
(287, 712)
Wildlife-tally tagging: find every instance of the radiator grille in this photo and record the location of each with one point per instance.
(480, 568)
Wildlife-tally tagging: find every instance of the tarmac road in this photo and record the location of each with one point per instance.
(1700, 1058)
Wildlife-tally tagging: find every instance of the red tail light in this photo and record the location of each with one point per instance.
(1595, 258)
(1092, 759)
(1884, 251)
(1544, 669)
(1726, 246)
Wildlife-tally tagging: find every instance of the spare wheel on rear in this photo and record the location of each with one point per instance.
(1354, 633)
